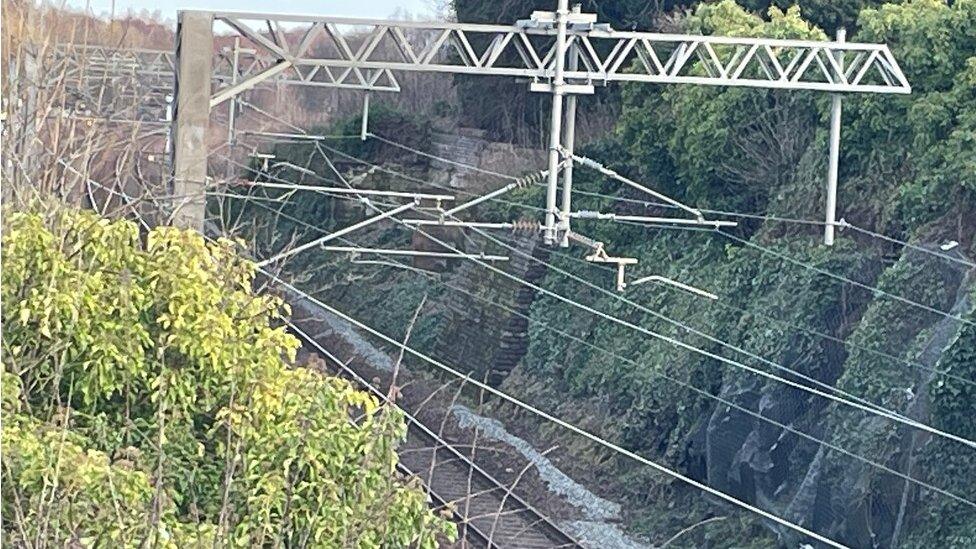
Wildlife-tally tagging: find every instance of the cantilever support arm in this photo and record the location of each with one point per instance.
(414, 253)
(336, 234)
(469, 224)
(347, 190)
(589, 163)
(584, 214)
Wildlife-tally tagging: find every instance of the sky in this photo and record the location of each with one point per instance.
(349, 8)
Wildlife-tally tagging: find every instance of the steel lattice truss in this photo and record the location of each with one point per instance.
(121, 84)
(366, 58)
(91, 60)
(132, 84)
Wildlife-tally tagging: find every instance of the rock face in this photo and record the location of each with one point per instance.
(891, 358)
(831, 335)
(871, 512)
(489, 336)
(468, 147)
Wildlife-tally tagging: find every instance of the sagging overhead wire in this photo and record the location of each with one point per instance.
(855, 402)
(824, 272)
(869, 408)
(687, 385)
(346, 190)
(841, 224)
(572, 427)
(637, 457)
(788, 324)
(780, 219)
(560, 422)
(700, 391)
(671, 203)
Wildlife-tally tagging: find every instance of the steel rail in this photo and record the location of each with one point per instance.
(419, 429)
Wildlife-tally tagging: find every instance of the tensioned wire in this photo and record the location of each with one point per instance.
(573, 428)
(722, 303)
(813, 332)
(702, 392)
(319, 146)
(689, 386)
(875, 290)
(870, 407)
(647, 203)
(562, 423)
(553, 419)
(874, 409)
(841, 278)
(780, 219)
(721, 212)
(858, 401)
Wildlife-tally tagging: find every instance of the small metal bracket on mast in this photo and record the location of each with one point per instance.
(600, 255)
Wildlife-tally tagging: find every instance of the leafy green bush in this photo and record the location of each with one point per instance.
(157, 401)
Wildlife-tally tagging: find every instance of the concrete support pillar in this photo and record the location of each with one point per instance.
(191, 115)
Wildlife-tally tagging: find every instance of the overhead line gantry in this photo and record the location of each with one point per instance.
(564, 52)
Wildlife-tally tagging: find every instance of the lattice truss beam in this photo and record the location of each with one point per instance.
(129, 84)
(135, 84)
(365, 53)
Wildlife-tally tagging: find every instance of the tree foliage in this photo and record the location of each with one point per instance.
(907, 170)
(157, 401)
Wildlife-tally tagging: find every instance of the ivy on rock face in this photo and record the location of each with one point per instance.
(159, 402)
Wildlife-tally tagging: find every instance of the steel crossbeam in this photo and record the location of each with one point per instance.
(528, 49)
(563, 52)
(117, 84)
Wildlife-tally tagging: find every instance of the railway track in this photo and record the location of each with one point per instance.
(488, 514)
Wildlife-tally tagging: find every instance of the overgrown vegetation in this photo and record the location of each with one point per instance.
(908, 170)
(150, 397)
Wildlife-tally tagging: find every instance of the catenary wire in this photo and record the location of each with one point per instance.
(560, 422)
(873, 409)
(702, 392)
(870, 408)
(646, 203)
(824, 272)
(781, 322)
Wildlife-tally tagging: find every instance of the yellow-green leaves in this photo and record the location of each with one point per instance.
(161, 350)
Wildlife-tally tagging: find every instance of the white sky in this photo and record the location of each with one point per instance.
(349, 8)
